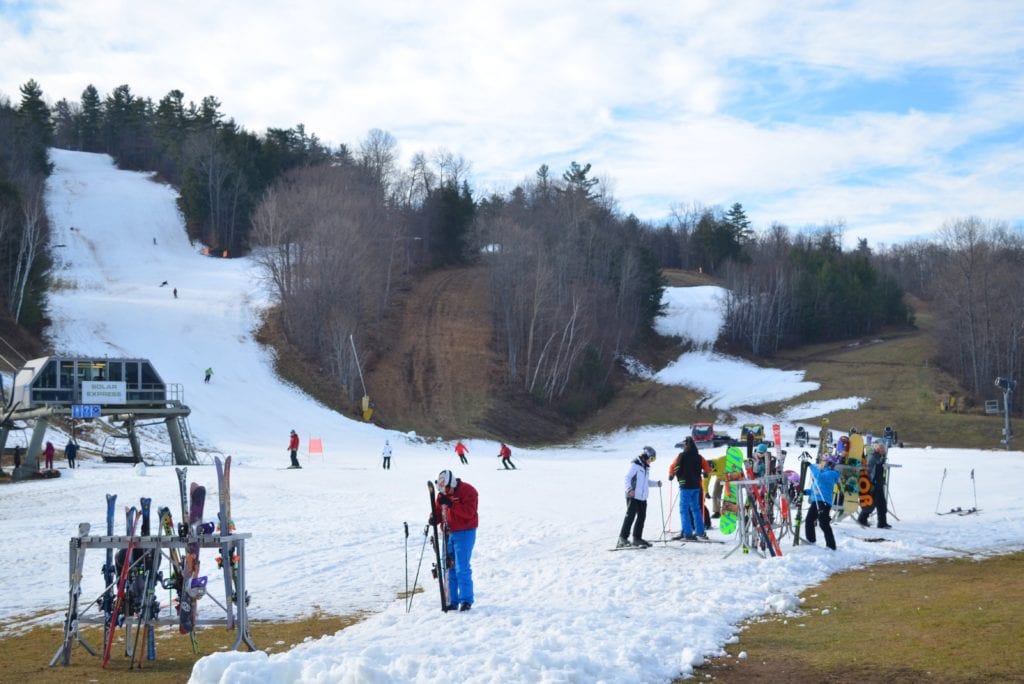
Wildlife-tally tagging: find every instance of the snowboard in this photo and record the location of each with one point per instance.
(733, 471)
(849, 483)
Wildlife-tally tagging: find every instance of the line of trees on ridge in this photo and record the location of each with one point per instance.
(575, 283)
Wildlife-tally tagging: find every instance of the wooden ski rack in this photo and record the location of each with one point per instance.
(76, 551)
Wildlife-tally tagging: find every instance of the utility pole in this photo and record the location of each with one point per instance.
(1007, 386)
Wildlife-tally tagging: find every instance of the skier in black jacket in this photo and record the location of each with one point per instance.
(689, 471)
(876, 473)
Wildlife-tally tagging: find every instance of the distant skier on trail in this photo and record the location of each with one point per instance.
(457, 502)
(461, 450)
(638, 483)
(293, 447)
(506, 456)
(386, 453)
(209, 374)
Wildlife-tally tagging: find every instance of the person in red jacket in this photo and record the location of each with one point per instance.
(293, 447)
(49, 455)
(506, 456)
(461, 450)
(457, 502)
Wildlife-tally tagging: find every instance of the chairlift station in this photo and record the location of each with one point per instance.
(120, 390)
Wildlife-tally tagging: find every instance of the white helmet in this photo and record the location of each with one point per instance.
(445, 479)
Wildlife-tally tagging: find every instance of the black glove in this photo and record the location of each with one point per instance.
(444, 500)
(432, 520)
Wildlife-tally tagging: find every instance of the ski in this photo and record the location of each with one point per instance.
(148, 606)
(224, 561)
(805, 459)
(174, 581)
(197, 500)
(761, 524)
(74, 592)
(125, 571)
(108, 569)
(439, 570)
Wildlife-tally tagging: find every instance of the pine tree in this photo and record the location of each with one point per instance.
(35, 126)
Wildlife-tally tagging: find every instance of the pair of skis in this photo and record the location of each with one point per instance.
(193, 587)
(228, 559)
(958, 510)
(762, 523)
(147, 605)
(133, 522)
(440, 546)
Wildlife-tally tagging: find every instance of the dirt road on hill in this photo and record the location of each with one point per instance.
(439, 372)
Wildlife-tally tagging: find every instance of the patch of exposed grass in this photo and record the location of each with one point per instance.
(27, 655)
(938, 621)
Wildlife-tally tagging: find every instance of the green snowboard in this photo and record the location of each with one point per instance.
(730, 507)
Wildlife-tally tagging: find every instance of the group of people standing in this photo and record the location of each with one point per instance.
(690, 469)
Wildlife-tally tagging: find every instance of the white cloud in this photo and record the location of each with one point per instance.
(653, 97)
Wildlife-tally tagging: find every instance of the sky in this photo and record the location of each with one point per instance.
(552, 604)
(891, 119)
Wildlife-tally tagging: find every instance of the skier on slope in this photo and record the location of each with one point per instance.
(638, 483)
(689, 471)
(457, 502)
(48, 452)
(461, 450)
(293, 447)
(823, 482)
(386, 453)
(506, 456)
(876, 473)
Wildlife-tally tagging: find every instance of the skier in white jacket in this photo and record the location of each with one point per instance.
(638, 483)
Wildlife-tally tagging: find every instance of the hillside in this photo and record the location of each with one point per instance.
(440, 375)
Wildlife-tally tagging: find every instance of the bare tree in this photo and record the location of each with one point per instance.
(33, 234)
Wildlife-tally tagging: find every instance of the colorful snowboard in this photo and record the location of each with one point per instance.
(733, 471)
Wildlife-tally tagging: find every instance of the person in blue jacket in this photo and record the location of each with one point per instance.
(823, 482)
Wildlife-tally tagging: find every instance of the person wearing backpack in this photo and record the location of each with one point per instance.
(688, 470)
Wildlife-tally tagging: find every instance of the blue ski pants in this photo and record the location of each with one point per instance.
(460, 575)
(691, 511)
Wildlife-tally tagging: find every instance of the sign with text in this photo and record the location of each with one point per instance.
(85, 411)
(104, 392)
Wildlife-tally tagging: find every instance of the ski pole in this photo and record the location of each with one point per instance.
(661, 501)
(974, 486)
(406, 526)
(940, 490)
(416, 579)
(667, 520)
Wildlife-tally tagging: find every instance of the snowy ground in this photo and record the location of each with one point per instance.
(552, 605)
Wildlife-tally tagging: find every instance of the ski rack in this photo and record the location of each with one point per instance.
(76, 552)
(746, 536)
